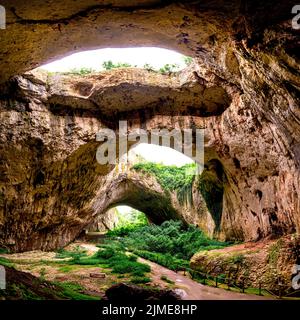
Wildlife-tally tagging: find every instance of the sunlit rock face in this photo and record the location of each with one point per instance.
(243, 88)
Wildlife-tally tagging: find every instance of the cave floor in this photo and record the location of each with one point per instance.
(46, 265)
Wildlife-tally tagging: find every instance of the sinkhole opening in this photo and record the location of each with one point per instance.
(149, 58)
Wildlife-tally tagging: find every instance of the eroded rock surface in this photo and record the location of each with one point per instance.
(246, 67)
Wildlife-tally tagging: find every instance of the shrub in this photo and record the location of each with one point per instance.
(165, 278)
(81, 71)
(171, 237)
(108, 65)
(172, 178)
(140, 280)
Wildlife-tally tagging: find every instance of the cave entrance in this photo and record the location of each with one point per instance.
(121, 216)
(155, 187)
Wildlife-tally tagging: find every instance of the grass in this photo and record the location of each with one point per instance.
(5, 262)
(75, 255)
(166, 279)
(111, 256)
(140, 280)
(73, 290)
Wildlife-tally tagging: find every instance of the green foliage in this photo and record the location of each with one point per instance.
(140, 280)
(148, 67)
(164, 259)
(81, 71)
(5, 262)
(274, 252)
(166, 279)
(4, 250)
(73, 291)
(109, 65)
(169, 68)
(113, 256)
(171, 237)
(172, 178)
(128, 222)
(42, 274)
(187, 60)
(133, 217)
(76, 254)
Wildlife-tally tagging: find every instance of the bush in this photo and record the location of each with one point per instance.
(108, 65)
(172, 178)
(140, 280)
(171, 237)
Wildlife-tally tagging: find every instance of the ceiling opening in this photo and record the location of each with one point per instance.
(101, 59)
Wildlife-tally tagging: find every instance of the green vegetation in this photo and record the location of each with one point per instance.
(4, 250)
(73, 291)
(187, 60)
(109, 65)
(274, 252)
(5, 262)
(166, 279)
(128, 222)
(120, 262)
(112, 256)
(80, 71)
(164, 259)
(169, 68)
(76, 254)
(171, 238)
(140, 280)
(172, 178)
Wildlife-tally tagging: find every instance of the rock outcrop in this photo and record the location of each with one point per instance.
(243, 88)
(267, 263)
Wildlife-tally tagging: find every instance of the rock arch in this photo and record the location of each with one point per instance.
(47, 152)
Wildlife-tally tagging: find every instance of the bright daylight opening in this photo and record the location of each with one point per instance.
(158, 154)
(97, 60)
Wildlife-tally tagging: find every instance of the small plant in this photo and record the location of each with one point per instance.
(81, 71)
(140, 280)
(166, 279)
(76, 254)
(73, 291)
(148, 67)
(5, 262)
(42, 274)
(169, 68)
(187, 60)
(109, 65)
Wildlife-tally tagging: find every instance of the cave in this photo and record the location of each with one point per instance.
(242, 89)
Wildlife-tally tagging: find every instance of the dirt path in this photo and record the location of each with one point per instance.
(192, 290)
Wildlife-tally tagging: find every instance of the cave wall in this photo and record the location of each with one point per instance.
(248, 52)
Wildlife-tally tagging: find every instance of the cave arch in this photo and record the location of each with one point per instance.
(256, 137)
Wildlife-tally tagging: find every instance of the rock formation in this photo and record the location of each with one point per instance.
(243, 88)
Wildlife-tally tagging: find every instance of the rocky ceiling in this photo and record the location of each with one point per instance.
(243, 88)
(37, 32)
